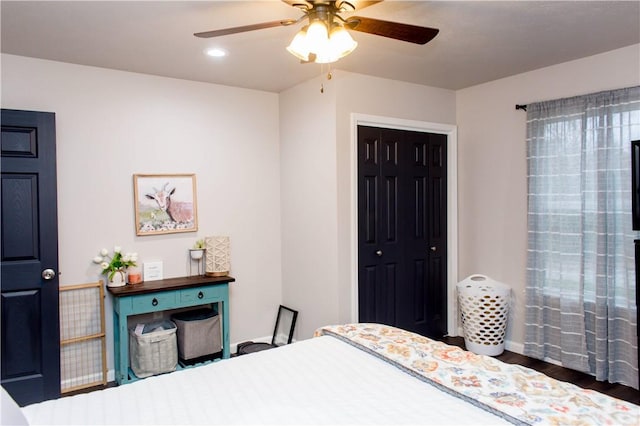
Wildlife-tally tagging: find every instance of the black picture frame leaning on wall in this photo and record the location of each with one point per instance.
(635, 184)
(282, 334)
(285, 324)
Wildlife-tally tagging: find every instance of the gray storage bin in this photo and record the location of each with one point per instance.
(198, 333)
(155, 350)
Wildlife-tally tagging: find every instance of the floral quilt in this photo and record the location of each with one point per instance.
(515, 393)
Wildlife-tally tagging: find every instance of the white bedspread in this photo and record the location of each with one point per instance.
(316, 381)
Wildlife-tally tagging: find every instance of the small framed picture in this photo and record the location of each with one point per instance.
(165, 204)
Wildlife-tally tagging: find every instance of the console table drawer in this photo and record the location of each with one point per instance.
(155, 301)
(202, 294)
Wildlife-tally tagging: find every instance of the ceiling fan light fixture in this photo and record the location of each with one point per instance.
(325, 39)
(317, 37)
(314, 43)
(299, 46)
(340, 42)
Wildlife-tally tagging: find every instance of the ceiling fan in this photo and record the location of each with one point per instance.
(325, 38)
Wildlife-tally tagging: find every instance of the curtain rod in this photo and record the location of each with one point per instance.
(522, 107)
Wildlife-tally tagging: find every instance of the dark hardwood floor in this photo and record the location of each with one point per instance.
(566, 375)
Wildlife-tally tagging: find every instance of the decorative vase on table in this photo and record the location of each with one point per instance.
(134, 275)
(116, 278)
(218, 256)
(196, 254)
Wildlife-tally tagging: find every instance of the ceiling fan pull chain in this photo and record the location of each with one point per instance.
(329, 75)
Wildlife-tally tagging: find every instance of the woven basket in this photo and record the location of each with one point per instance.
(155, 352)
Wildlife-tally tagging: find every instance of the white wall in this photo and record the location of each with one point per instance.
(317, 167)
(309, 221)
(112, 124)
(492, 163)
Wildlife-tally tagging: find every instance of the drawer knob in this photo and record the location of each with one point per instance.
(200, 295)
(154, 302)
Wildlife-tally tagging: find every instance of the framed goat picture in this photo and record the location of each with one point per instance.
(165, 204)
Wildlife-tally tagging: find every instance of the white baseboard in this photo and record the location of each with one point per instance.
(514, 347)
(265, 339)
(508, 344)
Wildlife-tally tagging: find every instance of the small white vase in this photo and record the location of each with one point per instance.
(117, 280)
(196, 254)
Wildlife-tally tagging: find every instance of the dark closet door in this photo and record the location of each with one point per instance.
(402, 229)
(29, 252)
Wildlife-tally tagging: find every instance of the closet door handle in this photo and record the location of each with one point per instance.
(378, 253)
(48, 274)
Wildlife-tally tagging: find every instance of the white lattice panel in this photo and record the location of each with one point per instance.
(82, 337)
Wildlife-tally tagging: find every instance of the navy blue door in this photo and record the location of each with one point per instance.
(402, 224)
(29, 253)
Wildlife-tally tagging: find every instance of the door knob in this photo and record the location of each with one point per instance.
(433, 248)
(379, 252)
(48, 274)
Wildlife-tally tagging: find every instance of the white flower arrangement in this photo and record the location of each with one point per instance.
(118, 262)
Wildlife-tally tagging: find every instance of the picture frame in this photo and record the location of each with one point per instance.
(165, 203)
(285, 324)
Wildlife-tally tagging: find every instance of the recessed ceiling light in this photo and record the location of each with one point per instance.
(216, 52)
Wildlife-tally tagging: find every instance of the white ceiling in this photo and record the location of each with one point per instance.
(479, 41)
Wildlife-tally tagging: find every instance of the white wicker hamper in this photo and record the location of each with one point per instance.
(484, 308)
(154, 352)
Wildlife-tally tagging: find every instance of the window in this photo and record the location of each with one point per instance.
(581, 268)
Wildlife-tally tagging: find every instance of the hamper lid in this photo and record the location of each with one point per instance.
(478, 284)
(194, 315)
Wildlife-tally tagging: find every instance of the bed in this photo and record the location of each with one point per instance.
(347, 374)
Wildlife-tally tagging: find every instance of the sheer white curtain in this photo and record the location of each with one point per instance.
(580, 294)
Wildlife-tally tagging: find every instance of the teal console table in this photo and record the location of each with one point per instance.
(163, 295)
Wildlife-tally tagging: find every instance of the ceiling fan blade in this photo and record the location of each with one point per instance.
(234, 30)
(395, 30)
